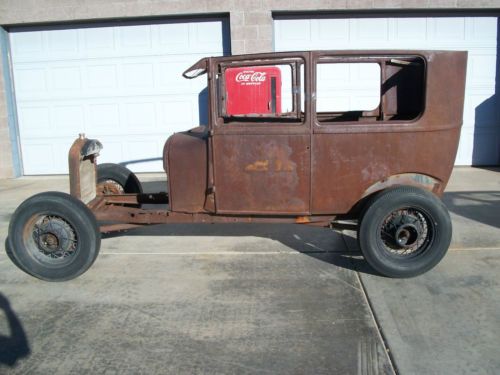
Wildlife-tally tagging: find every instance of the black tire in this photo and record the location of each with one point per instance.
(54, 236)
(120, 175)
(404, 232)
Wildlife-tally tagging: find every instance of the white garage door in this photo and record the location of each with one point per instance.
(479, 144)
(120, 84)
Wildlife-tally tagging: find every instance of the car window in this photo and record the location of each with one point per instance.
(376, 89)
(344, 87)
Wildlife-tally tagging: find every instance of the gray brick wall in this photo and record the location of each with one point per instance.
(6, 169)
(250, 21)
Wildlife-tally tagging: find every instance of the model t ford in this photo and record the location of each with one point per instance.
(303, 137)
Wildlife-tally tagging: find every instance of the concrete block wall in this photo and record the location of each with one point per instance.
(251, 23)
(6, 164)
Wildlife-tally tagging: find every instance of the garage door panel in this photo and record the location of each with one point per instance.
(370, 29)
(68, 119)
(138, 75)
(410, 29)
(178, 112)
(448, 29)
(466, 149)
(30, 80)
(98, 40)
(38, 157)
(482, 69)
(175, 34)
(477, 35)
(477, 145)
(118, 41)
(140, 116)
(110, 77)
(481, 28)
(134, 38)
(43, 157)
(480, 110)
(101, 76)
(66, 77)
(335, 29)
(104, 116)
(35, 120)
(27, 44)
(207, 34)
(112, 83)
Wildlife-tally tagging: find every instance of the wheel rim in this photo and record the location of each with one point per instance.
(407, 232)
(110, 186)
(51, 239)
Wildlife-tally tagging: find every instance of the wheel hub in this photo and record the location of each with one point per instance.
(110, 187)
(54, 237)
(407, 235)
(404, 231)
(48, 242)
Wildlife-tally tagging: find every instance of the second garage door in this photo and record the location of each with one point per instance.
(121, 84)
(480, 139)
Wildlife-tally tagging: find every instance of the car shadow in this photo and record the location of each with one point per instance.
(324, 244)
(15, 345)
(480, 206)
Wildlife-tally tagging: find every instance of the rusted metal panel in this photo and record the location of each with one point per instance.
(132, 199)
(262, 174)
(82, 168)
(185, 157)
(121, 217)
(346, 165)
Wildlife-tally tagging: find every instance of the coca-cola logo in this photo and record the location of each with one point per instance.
(250, 77)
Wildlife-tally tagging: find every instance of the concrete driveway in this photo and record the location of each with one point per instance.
(258, 299)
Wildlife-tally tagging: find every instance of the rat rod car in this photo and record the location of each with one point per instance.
(295, 137)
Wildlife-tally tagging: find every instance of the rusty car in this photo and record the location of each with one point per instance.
(291, 137)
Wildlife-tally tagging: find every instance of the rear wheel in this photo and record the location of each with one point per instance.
(116, 179)
(404, 232)
(54, 236)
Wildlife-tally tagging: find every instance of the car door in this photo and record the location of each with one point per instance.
(261, 137)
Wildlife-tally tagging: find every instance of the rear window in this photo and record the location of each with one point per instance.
(344, 87)
(376, 89)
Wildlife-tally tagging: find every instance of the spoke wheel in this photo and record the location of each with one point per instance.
(407, 232)
(54, 236)
(110, 186)
(404, 231)
(52, 239)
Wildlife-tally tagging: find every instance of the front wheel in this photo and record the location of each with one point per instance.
(54, 236)
(404, 232)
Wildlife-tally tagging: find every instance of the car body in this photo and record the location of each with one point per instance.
(279, 146)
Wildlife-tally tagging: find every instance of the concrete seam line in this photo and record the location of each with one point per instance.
(378, 328)
(222, 253)
(473, 248)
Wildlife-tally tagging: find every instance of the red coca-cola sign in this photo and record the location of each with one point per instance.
(250, 76)
(253, 90)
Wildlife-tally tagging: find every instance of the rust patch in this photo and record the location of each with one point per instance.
(303, 219)
(258, 166)
(283, 165)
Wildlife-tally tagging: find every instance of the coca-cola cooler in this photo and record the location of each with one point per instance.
(253, 90)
